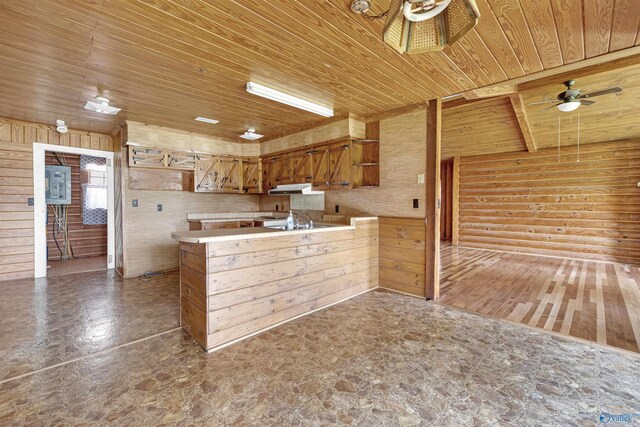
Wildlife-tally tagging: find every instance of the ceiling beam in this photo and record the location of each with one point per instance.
(523, 121)
(610, 61)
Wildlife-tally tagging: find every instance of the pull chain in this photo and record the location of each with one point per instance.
(559, 137)
(578, 161)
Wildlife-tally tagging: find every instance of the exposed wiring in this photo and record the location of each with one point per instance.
(374, 17)
(148, 275)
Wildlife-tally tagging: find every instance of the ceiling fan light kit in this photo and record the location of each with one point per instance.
(571, 99)
(414, 26)
(565, 107)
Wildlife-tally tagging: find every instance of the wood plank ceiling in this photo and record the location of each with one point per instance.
(167, 61)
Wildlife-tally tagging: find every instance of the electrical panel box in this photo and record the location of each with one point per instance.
(57, 185)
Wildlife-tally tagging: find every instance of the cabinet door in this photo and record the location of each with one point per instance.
(181, 160)
(282, 166)
(340, 166)
(268, 174)
(320, 168)
(206, 176)
(216, 225)
(251, 175)
(147, 157)
(301, 167)
(229, 175)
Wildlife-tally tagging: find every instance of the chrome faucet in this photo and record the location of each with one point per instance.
(309, 220)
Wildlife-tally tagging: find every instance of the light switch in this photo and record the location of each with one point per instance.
(420, 178)
(134, 203)
(159, 207)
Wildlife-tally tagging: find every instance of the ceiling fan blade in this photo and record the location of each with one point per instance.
(587, 102)
(543, 102)
(602, 92)
(551, 106)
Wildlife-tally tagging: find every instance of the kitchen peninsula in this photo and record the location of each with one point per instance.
(236, 282)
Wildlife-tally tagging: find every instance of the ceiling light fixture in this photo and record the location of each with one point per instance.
(565, 107)
(61, 126)
(276, 95)
(206, 120)
(251, 135)
(101, 105)
(415, 26)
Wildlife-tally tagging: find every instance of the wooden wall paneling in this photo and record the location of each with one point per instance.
(541, 204)
(16, 187)
(86, 240)
(16, 216)
(402, 255)
(432, 197)
(455, 201)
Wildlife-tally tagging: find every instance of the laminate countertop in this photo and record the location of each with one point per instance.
(226, 234)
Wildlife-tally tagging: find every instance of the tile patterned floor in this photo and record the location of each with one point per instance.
(380, 359)
(50, 321)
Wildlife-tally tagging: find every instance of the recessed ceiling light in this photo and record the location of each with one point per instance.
(276, 95)
(101, 105)
(206, 120)
(251, 135)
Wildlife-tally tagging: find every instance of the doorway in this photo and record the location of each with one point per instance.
(74, 227)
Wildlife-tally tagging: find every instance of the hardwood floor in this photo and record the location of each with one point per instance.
(592, 300)
(78, 265)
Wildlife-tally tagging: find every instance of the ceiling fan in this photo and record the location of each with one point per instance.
(571, 99)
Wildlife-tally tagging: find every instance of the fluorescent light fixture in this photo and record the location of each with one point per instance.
(275, 95)
(454, 95)
(565, 107)
(251, 135)
(206, 120)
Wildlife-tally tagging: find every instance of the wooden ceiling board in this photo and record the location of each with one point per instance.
(514, 25)
(598, 15)
(539, 16)
(165, 62)
(568, 17)
(626, 18)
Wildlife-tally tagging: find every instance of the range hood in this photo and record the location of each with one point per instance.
(293, 189)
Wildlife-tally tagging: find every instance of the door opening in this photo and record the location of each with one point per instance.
(73, 210)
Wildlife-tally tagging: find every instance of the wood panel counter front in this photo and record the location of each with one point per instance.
(235, 283)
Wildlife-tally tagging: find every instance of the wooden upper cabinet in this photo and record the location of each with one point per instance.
(230, 175)
(180, 160)
(206, 176)
(268, 173)
(251, 175)
(147, 157)
(282, 170)
(321, 177)
(340, 166)
(301, 167)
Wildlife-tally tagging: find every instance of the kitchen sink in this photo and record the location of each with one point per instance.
(284, 227)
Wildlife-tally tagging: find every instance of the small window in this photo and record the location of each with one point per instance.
(93, 173)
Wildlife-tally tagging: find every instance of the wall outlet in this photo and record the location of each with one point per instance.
(30, 201)
(134, 203)
(337, 208)
(277, 208)
(415, 203)
(159, 207)
(420, 178)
